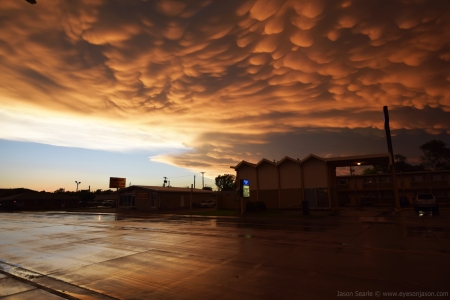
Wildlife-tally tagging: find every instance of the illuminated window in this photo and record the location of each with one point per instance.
(369, 180)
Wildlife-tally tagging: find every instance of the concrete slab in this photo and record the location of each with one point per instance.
(9, 286)
(91, 256)
(32, 295)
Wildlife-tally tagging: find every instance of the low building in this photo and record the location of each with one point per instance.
(286, 183)
(38, 201)
(157, 197)
(227, 200)
(378, 188)
(108, 199)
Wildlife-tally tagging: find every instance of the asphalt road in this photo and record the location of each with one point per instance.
(354, 253)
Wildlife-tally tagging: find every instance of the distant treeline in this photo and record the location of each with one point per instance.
(436, 156)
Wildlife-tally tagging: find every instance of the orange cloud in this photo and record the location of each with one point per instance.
(220, 80)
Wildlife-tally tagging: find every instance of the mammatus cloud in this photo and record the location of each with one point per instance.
(223, 79)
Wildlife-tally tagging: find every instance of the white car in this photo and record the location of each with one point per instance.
(208, 203)
(425, 201)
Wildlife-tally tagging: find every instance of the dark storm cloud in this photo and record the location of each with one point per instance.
(232, 80)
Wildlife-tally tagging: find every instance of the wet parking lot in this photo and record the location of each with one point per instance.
(57, 255)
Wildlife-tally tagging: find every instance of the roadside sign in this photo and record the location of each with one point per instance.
(116, 182)
(245, 188)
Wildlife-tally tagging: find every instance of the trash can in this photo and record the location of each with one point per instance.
(305, 207)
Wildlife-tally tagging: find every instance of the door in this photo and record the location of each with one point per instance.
(318, 198)
(310, 195)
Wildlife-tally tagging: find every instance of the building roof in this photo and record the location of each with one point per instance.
(266, 161)
(360, 160)
(287, 158)
(38, 195)
(312, 156)
(243, 163)
(167, 189)
(344, 161)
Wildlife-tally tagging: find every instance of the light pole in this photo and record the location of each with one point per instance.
(77, 182)
(203, 179)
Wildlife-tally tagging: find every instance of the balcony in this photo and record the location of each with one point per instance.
(426, 184)
(372, 185)
(385, 185)
(343, 186)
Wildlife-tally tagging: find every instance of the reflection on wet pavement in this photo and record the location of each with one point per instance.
(169, 256)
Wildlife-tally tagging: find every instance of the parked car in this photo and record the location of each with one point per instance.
(426, 201)
(109, 203)
(208, 203)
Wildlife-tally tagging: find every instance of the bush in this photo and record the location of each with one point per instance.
(260, 205)
(251, 206)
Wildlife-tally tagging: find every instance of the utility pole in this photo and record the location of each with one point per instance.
(391, 152)
(194, 181)
(77, 182)
(203, 179)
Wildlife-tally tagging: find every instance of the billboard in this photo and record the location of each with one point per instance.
(245, 188)
(116, 182)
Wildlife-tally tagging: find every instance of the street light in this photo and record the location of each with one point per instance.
(203, 179)
(77, 182)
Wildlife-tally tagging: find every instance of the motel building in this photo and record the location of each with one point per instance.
(286, 183)
(160, 198)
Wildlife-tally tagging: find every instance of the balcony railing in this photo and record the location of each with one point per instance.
(384, 185)
(428, 183)
(372, 185)
(343, 186)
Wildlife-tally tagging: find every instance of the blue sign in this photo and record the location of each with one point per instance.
(245, 188)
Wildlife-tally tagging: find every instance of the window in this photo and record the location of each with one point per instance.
(386, 194)
(370, 194)
(154, 197)
(441, 193)
(385, 179)
(342, 181)
(418, 178)
(127, 200)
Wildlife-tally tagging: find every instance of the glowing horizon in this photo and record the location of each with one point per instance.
(205, 84)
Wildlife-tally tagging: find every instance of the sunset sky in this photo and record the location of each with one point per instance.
(146, 89)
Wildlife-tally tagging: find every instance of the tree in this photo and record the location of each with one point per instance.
(377, 169)
(226, 182)
(402, 165)
(60, 190)
(436, 156)
(207, 188)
